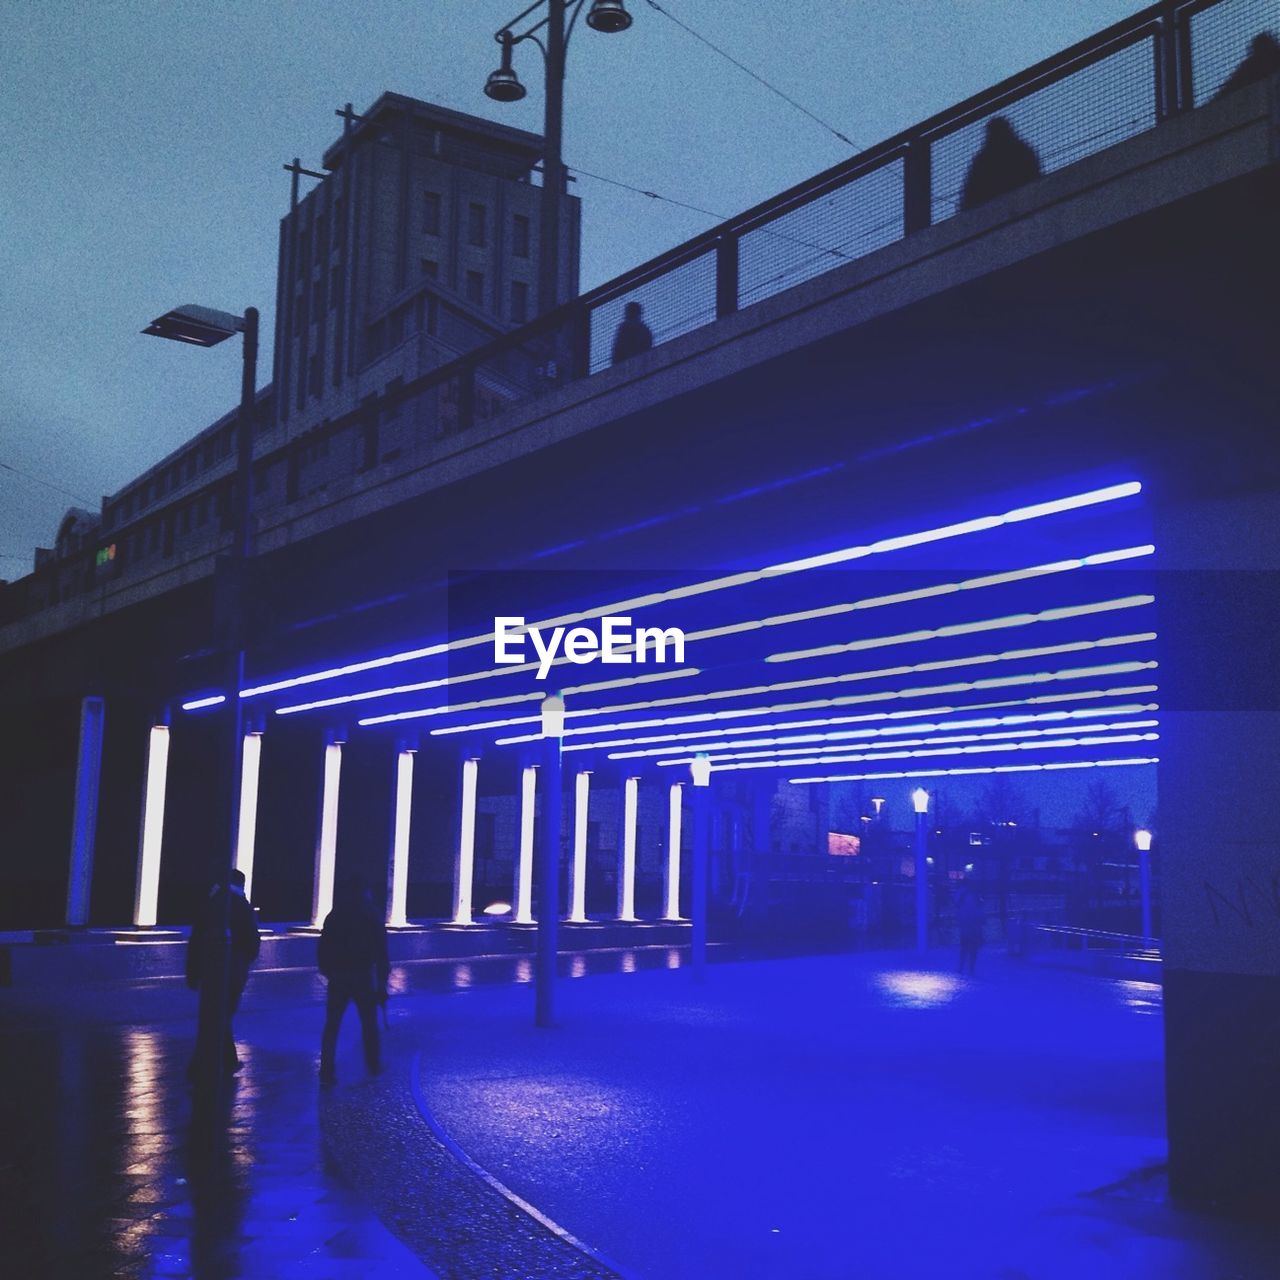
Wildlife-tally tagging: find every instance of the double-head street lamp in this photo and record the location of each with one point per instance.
(556, 26)
(205, 327)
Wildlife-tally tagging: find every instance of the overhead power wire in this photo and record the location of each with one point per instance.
(818, 120)
(48, 484)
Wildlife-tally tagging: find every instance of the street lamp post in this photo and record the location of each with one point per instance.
(920, 803)
(1142, 841)
(548, 863)
(700, 775)
(205, 327)
(504, 85)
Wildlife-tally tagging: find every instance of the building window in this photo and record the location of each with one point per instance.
(520, 236)
(476, 225)
(519, 301)
(475, 287)
(430, 269)
(431, 212)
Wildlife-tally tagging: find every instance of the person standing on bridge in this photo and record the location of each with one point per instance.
(633, 335)
(1004, 162)
(1262, 60)
(353, 959)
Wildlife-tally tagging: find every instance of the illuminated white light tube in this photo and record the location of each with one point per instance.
(777, 752)
(524, 856)
(921, 593)
(995, 768)
(151, 836)
(964, 628)
(198, 704)
(911, 725)
(465, 865)
(1072, 502)
(247, 816)
(578, 863)
(782, 686)
(398, 903)
(327, 841)
(1118, 691)
(510, 699)
(627, 867)
(776, 620)
(675, 798)
(1050, 745)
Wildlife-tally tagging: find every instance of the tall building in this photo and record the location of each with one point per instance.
(419, 243)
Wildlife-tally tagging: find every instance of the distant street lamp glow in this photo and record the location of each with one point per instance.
(920, 800)
(700, 770)
(1142, 840)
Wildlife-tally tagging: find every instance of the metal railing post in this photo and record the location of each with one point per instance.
(726, 275)
(917, 186)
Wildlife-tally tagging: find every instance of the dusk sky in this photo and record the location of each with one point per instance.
(144, 168)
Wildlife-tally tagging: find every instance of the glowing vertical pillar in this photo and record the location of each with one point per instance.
(465, 863)
(578, 864)
(247, 820)
(675, 826)
(397, 899)
(627, 853)
(152, 833)
(85, 818)
(524, 855)
(327, 840)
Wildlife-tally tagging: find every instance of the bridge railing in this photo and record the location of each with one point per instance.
(1163, 61)
(1159, 63)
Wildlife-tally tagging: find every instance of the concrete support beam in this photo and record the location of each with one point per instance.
(151, 835)
(327, 835)
(578, 863)
(84, 825)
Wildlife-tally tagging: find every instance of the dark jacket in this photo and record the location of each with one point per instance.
(632, 339)
(353, 949)
(206, 930)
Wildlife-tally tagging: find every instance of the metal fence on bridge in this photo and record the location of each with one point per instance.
(1160, 63)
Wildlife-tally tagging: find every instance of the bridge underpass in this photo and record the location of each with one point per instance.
(1140, 350)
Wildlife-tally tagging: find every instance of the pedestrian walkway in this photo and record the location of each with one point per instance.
(838, 1118)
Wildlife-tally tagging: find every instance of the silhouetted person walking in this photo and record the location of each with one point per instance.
(1003, 163)
(353, 958)
(1262, 60)
(633, 335)
(970, 917)
(204, 955)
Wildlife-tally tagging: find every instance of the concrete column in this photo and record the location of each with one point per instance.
(464, 863)
(578, 864)
(151, 835)
(627, 850)
(701, 843)
(675, 830)
(1219, 616)
(523, 896)
(327, 836)
(398, 885)
(247, 815)
(84, 824)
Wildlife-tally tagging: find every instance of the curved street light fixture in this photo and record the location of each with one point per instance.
(551, 34)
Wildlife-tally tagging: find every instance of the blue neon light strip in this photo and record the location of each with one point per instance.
(906, 726)
(981, 748)
(828, 750)
(964, 772)
(198, 704)
(1071, 502)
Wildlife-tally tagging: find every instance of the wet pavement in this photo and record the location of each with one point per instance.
(840, 1116)
(105, 1171)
